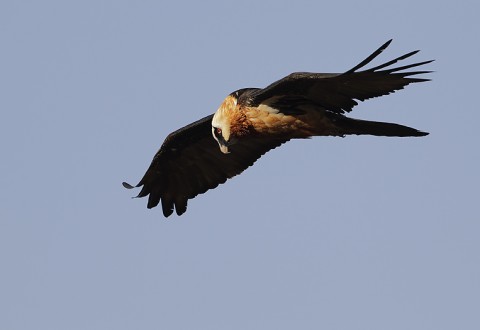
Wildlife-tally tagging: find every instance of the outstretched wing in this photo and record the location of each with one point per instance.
(339, 93)
(190, 163)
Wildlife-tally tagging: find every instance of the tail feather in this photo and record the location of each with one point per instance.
(365, 127)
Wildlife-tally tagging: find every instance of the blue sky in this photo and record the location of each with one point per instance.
(328, 233)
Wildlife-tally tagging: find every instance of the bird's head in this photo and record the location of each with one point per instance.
(222, 124)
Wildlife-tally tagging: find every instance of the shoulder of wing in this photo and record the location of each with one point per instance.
(188, 133)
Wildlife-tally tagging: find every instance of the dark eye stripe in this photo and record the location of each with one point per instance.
(217, 131)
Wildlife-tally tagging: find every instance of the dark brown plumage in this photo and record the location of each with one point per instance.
(252, 121)
(189, 163)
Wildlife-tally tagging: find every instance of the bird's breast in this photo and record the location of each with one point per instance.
(267, 120)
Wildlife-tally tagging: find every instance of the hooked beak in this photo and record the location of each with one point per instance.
(224, 149)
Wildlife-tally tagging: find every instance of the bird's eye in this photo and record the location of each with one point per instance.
(218, 131)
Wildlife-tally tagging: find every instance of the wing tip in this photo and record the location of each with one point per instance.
(422, 133)
(127, 185)
(167, 207)
(370, 57)
(386, 44)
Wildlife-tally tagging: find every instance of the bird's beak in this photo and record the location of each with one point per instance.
(224, 149)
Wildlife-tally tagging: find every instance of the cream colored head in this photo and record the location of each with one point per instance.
(221, 123)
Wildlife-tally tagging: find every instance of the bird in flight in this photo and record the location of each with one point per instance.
(252, 121)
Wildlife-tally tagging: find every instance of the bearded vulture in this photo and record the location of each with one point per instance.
(252, 121)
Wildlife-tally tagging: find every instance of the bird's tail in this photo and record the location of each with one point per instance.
(365, 127)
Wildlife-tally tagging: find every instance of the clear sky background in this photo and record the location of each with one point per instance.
(328, 233)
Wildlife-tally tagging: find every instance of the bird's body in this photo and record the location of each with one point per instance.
(252, 121)
(239, 120)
